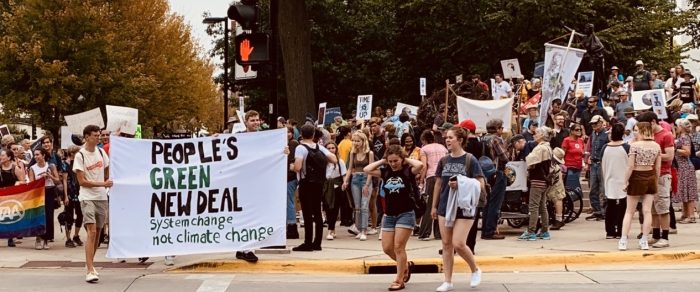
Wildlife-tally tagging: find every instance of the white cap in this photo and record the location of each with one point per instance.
(692, 117)
(639, 62)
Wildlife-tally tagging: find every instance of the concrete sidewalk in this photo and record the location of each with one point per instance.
(581, 240)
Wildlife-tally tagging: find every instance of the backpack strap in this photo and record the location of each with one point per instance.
(468, 165)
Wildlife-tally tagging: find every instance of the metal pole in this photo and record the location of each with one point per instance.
(274, 8)
(226, 86)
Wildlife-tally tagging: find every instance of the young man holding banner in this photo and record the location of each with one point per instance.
(91, 166)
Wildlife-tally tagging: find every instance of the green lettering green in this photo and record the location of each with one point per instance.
(168, 181)
(156, 182)
(181, 172)
(204, 176)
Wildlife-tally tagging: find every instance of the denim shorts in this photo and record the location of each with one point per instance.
(406, 220)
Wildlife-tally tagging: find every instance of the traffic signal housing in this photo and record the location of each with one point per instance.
(246, 13)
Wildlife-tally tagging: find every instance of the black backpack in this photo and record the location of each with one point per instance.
(315, 168)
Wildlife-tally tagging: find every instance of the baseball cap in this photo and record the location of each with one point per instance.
(639, 62)
(447, 126)
(615, 68)
(692, 117)
(596, 119)
(469, 125)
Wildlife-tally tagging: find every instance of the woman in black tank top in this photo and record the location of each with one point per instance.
(10, 174)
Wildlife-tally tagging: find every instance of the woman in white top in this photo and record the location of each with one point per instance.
(42, 169)
(614, 159)
(643, 170)
(332, 190)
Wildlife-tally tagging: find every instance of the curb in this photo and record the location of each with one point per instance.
(561, 262)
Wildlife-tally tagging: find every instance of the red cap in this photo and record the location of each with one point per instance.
(469, 125)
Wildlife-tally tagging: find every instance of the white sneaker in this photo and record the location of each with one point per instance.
(622, 244)
(353, 230)
(169, 260)
(643, 244)
(330, 236)
(661, 243)
(45, 245)
(91, 277)
(38, 244)
(363, 237)
(445, 287)
(372, 231)
(358, 236)
(476, 279)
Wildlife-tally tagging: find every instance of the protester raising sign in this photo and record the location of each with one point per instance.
(192, 196)
(481, 111)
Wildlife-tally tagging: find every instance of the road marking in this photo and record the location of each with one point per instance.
(212, 283)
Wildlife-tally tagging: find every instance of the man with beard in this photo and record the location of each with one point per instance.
(592, 110)
(560, 130)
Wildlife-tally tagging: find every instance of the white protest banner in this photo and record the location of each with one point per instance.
(364, 107)
(67, 138)
(422, 86)
(644, 99)
(560, 66)
(321, 118)
(122, 118)
(516, 176)
(481, 111)
(77, 122)
(511, 69)
(200, 195)
(585, 82)
(411, 110)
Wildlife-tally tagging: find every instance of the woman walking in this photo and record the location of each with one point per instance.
(687, 183)
(10, 175)
(454, 238)
(360, 156)
(643, 169)
(43, 169)
(399, 218)
(332, 192)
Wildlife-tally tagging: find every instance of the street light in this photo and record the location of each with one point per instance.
(215, 20)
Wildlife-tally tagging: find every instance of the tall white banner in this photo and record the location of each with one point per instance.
(560, 66)
(194, 196)
(481, 111)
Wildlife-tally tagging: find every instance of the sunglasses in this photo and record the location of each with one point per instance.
(579, 129)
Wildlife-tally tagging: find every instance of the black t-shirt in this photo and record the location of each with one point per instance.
(686, 92)
(378, 147)
(292, 144)
(641, 80)
(397, 190)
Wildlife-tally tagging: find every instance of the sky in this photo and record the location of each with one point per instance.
(192, 10)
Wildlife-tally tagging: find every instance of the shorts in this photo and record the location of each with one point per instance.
(406, 220)
(556, 192)
(460, 214)
(643, 183)
(662, 198)
(95, 212)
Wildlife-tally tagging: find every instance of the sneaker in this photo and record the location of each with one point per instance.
(653, 240)
(91, 277)
(544, 235)
(610, 236)
(353, 230)
(424, 238)
(622, 244)
(372, 231)
(476, 279)
(556, 225)
(595, 217)
(673, 231)
(493, 237)
(445, 287)
(77, 241)
(639, 236)
(661, 243)
(303, 247)
(363, 237)
(38, 244)
(11, 243)
(169, 260)
(643, 244)
(330, 236)
(528, 236)
(70, 244)
(46, 245)
(248, 256)
(317, 247)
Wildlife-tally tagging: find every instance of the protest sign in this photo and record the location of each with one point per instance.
(493, 89)
(77, 122)
(68, 139)
(422, 86)
(321, 118)
(481, 111)
(644, 99)
(22, 210)
(511, 69)
(138, 134)
(560, 66)
(516, 176)
(200, 195)
(539, 70)
(331, 113)
(411, 110)
(364, 107)
(123, 119)
(4, 130)
(585, 82)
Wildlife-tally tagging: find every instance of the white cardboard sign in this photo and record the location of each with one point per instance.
(77, 122)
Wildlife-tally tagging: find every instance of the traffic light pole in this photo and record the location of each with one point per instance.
(226, 81)
(274, 7)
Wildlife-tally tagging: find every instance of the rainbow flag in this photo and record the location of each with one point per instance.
(22, 210)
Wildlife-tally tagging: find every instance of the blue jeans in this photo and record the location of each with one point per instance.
(361, 202)
(573, 178)
(492, 210)
(291, 211)
(596, 185)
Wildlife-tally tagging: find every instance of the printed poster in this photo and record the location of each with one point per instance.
(511, 69)
(411, 110)
(516, 176)
(655, 98)
(585, 82)
(200, 195)
(560, 66)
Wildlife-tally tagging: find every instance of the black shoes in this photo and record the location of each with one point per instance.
(304, 247)
(247, 256)
(556, 225)
(69, 243)
(77, 241)
(595, 217)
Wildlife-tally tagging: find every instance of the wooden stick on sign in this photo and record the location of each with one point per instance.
(447, 96)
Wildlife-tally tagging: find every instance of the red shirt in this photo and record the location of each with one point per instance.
(574, 152)
(665, 140)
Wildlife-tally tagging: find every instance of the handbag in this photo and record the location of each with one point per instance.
(694, 159)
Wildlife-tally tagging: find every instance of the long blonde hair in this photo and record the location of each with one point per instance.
(364, 148)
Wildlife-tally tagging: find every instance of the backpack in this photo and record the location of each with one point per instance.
(553, 171)
(420, 204)
(315, 165)
(486, 159)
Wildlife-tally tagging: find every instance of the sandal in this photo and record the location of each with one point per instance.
(407, 276)
(396, 286)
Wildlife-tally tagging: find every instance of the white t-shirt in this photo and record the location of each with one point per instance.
(501, 89)
(93, 164)
(301, 152)
(333, 171)
(42, 171)
(614, 164)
